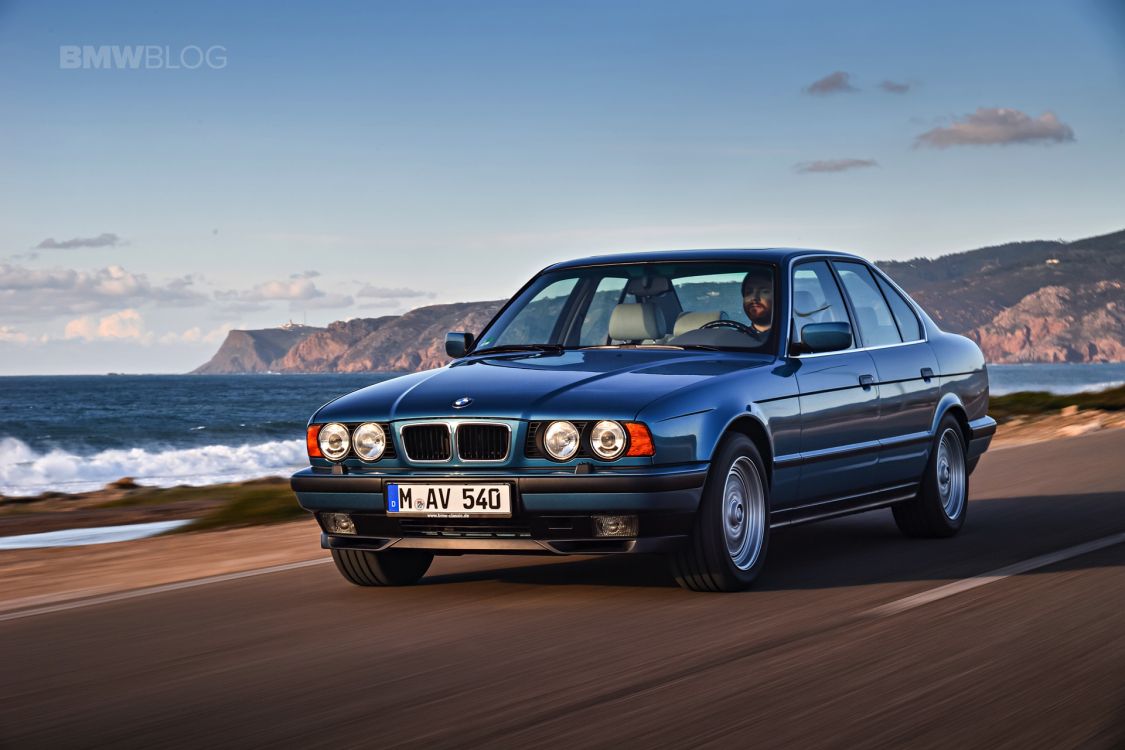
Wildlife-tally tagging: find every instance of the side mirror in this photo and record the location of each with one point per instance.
(826, 337)
(456, 344)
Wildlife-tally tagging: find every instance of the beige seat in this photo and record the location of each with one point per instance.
(689, 321)
(637, 322)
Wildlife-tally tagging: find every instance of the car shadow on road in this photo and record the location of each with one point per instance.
(863, 549)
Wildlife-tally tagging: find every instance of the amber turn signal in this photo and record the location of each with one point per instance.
(640, 440)
(312, 442)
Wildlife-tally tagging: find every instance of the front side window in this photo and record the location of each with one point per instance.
(877, 326)
(816, 297)
(688, 304)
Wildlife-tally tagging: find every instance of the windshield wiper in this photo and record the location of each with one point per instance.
(548, 348)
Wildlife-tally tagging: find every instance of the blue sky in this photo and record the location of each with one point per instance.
(360, 159)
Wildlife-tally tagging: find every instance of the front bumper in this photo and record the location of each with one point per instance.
(551, 511)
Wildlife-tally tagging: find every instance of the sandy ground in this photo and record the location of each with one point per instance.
(1068, 423)
(31, 578)
(34, 577)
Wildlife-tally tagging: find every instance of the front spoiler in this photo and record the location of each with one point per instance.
(641, 545)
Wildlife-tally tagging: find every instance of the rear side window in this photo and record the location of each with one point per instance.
(816, 298)
(873, 316)
(908, 324)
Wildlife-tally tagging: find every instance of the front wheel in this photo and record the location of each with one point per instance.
(943, 498)
(728, 545)
(399, 567)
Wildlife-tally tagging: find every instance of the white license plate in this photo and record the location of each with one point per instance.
(449, 500)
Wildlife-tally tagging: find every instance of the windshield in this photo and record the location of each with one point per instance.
(707, 305)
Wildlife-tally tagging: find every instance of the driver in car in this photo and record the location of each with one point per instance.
(757, 299)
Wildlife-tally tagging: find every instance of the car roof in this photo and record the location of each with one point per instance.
(778, 255)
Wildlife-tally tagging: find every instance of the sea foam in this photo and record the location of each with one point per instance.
(24, 471)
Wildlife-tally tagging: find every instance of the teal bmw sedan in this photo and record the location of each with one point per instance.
(684, 404)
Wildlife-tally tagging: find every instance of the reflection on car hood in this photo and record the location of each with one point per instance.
(583, 384)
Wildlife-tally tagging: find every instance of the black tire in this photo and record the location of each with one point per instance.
(928, 515)
(708, 562)
(400, 567)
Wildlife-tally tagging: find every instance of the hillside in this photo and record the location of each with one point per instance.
(1028, 301)
(1043, 301)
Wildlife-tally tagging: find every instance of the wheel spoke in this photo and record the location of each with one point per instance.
(951, 475)
(744, 513)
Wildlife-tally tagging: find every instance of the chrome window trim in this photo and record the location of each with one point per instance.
(451, 425)
(851, 259)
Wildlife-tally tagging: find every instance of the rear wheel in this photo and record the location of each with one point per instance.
(943, 497)
(391, 568)
(728, 545)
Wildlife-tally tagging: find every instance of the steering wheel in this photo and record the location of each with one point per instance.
(740, 327)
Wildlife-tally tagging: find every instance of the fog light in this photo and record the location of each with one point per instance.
(338, 523)
(615, 525)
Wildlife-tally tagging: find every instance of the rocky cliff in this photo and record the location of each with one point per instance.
(255, 351)
(1022, 302)
(392, 343)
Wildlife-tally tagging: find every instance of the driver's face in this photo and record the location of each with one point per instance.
(757, 299)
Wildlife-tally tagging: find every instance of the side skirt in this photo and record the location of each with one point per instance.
(843, 506)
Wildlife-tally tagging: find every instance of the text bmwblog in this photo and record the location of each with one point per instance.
(141, 57)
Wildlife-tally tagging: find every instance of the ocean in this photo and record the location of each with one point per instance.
(77, 433)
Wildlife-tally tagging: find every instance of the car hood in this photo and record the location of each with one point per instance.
(582, 384)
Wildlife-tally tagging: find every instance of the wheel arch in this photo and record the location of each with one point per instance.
(951, 405)
(752, 426)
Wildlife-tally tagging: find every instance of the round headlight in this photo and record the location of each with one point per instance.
(607, 440)
(370, 441)
(561, 440)
(334, 441)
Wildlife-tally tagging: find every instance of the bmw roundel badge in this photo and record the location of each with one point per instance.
(462, 402)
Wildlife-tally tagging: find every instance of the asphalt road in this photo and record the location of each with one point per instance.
(505, 652)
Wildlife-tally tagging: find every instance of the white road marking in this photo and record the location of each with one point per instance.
(163, 588)
(895, 607)
(967, 584)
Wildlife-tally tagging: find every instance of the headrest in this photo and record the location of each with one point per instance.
(804, 304)
(689, 321)
(636, 322)
(648, 286)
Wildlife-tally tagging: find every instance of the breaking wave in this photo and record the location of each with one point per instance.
(1058, 389)
(23, 471)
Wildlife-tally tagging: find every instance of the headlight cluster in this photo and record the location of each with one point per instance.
(607, 440)
(333, 441)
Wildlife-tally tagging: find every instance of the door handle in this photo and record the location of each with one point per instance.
(866, 381)
(927, 374)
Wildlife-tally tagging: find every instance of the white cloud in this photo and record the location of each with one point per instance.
(997, 126)
(9, 335)
(121, 325)
(894, 87)
(40, 294)
(106, 239)
(196, 335)
(299, 290)
(835, 165)
(833, 83)
(384, 292)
